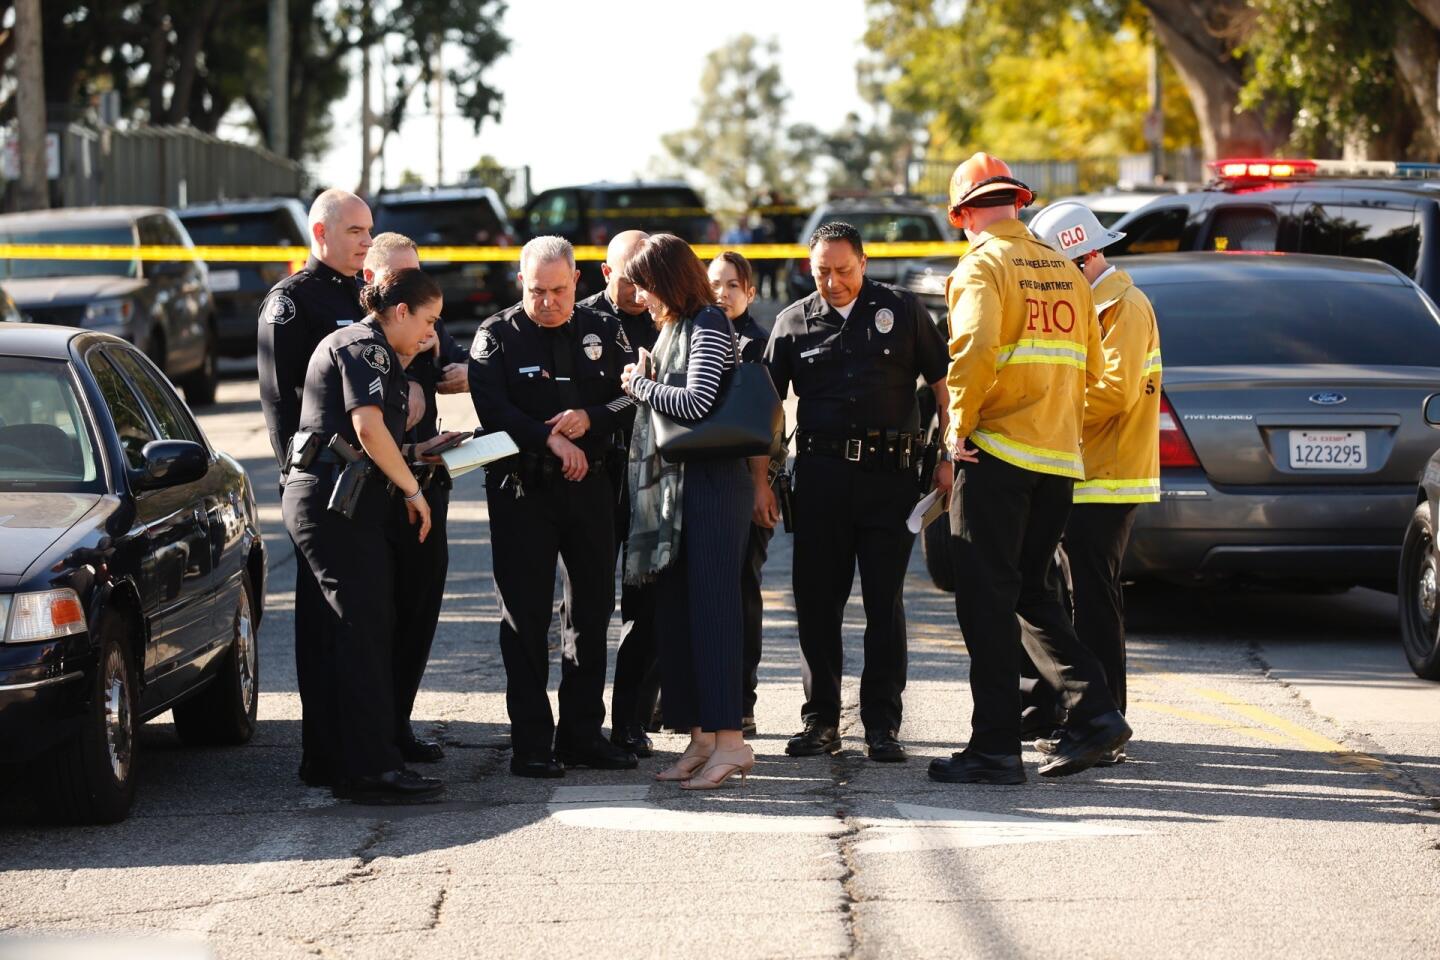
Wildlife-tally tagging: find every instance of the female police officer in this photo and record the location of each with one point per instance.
(354, 408)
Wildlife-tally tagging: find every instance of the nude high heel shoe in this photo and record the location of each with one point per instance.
(684, 767)
(722, 766)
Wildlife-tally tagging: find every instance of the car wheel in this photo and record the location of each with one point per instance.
(1420, 596)
(224, 711)
(200, 386)
(91, 777)
(935, 545)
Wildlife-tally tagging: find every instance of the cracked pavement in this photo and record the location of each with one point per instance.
(1283, 798)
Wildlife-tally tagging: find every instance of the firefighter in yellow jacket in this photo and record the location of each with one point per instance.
(1121, 436)
(1024, 344)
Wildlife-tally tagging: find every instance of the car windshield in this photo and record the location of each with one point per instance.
(889, 227)
(1290, 322)
(118, 235)
(441, 222)
(45, 439)
(264, 229)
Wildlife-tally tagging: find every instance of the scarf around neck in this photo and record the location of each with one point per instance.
(655, 485)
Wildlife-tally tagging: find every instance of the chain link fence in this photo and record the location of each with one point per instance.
(1051, 179)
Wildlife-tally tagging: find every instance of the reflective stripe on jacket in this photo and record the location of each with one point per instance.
(1024, 342)
(1122, 408)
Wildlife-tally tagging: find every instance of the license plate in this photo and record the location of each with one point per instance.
(1327, 450)
(223, 281)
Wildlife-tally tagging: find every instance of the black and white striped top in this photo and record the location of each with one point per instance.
(712, 352)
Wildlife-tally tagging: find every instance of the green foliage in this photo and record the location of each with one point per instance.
(1330, 61)
(737, 145)
(1035, 80)
(489, 172)
(194, 62)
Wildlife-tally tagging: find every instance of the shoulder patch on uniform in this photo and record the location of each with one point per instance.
(884, 320)
(485, 345)
(592, 346)
(376, 356)
(280, 310)
(622, 339)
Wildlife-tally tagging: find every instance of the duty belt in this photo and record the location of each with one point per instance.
(876, 450)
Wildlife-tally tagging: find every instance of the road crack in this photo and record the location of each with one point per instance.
(842, 770)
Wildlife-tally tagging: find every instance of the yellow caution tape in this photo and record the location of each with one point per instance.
(226, 254)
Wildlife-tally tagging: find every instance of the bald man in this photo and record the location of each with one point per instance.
(637, 677)
(296, 315)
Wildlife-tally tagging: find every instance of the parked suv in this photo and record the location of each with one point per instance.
(456, 217)
(163, 307)
(590, 215)
(239, 287)
(1381, 211)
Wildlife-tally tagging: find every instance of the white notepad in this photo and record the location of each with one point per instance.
(475, 452)
(928, 510)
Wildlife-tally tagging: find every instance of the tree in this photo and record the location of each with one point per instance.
(34, 193)
(738, 145)
(193, 62)
(488, 172)
(947, 51)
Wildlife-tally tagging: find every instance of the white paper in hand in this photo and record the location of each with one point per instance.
(926, 511)
(478, 451)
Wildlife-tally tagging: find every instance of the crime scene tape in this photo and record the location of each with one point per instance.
(435, 255)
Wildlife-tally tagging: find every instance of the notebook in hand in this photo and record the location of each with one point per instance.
(478, 451)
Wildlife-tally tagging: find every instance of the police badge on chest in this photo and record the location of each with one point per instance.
(592, 346)
(884, 320)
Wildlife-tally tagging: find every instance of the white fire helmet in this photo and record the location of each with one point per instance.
(1071, 229)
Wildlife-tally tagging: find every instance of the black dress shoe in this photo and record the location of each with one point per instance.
(597, 754)
(315, 775)
(970, 766)
(417, 750)
(633, 740)
(884, 748)
(390, 788)
(747, 727)
(539, 767)
(815, 739)
(1086, 745)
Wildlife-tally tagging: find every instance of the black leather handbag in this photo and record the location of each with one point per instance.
(742, 423)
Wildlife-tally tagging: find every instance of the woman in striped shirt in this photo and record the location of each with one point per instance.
(690, 522)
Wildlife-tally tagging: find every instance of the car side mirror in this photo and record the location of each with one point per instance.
(1432, 410)
(169, 463)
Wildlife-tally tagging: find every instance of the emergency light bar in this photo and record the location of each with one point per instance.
(1273, 170)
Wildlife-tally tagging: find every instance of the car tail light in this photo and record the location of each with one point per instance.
(1175, 449)
(45, 615)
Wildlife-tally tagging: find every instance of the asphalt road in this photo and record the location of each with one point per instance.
(1281, 800)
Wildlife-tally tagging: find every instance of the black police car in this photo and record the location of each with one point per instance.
(132, 572)
(884, 219)
(239, 287)
(1420, 568)
(1373, 209)
(161, 306)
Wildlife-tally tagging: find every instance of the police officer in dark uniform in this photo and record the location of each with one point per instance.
(299, 312)
(637, 670)
(420, 566)
(548, 373)
(853, 350)
(335, 502)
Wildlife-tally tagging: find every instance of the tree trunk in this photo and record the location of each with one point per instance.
(34, 190)
(156, 46)
(199, 28)
(1429, 9)
(1417, 62)
(1196, 38)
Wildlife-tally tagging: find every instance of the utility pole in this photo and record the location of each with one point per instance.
(280, 77)
(440, 111)
(34, 191)
(367, 119)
